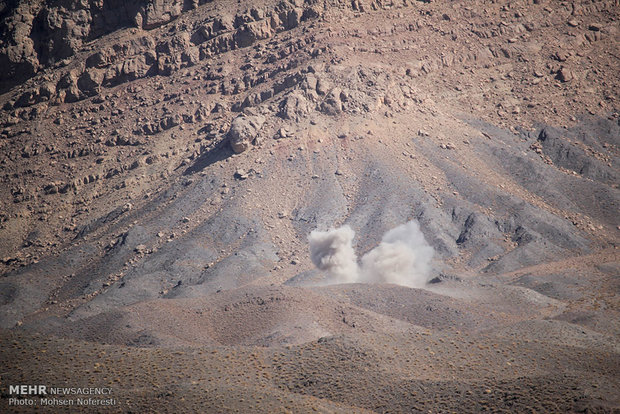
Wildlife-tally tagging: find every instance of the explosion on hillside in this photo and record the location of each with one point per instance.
(403, 257)
(164, 164)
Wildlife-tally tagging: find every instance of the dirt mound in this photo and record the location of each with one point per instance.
(274, 316)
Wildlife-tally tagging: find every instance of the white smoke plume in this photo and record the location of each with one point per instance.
(403, 257)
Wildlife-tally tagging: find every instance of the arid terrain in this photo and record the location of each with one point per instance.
(163, 164)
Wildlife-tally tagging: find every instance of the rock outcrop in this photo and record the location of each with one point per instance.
(243, 131)
(40, 34)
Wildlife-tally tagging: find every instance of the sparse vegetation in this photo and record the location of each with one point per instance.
(163, 163)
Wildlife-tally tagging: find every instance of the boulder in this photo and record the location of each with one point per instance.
(295, 107)
(90, 81)
(332, 105)
(159, 12)
(565, 74)
(243, 131)
(170, 121)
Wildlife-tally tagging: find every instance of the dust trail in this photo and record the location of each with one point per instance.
(403, 257)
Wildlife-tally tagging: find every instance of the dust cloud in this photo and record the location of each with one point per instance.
(332, 251)
(403, 256)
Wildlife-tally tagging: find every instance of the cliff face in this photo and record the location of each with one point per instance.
(39, 34)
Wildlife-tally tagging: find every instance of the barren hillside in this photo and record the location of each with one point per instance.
(163, 164)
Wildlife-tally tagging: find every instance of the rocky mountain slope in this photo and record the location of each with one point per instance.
(164, 162)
